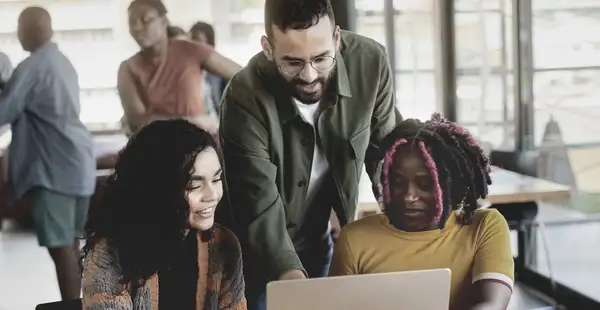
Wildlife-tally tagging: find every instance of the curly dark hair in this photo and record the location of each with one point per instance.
(459, 167)
(174, 31)
(208, 31)
(143, 213)
(295, 14)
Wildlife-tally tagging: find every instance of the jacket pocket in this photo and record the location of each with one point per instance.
(358, 145)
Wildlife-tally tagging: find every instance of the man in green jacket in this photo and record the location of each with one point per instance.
(297, 124)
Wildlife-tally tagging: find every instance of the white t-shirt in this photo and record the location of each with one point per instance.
(310, 113)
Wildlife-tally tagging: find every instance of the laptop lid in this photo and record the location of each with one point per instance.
(422, 289)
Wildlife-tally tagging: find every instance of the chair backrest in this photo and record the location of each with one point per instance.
(74, 304)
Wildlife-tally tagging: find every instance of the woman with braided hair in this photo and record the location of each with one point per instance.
(431, 176)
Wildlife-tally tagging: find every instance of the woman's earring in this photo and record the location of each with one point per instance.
(460, 208)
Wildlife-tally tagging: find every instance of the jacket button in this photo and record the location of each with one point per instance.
(301, 183)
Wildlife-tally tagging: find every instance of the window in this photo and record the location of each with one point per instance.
(239, 25)
(414, 50)
(93, 34)
(484, 79)
(566, 70)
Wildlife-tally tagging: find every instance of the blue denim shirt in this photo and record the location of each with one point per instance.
(217, 85)
(50, 146)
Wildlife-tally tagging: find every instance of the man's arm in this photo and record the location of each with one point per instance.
(221, 66)
(385, 117)
(14, 96)
(253, 194)
(214, 62)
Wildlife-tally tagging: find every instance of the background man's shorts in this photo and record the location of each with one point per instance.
(59, 219)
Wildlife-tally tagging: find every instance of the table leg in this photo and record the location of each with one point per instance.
(527, 238)
(519, 216)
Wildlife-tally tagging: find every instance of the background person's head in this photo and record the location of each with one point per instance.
(302, 40)
(35, 28)
(203, 33)
(429, 169)
(174, 32)
(166, 184)
(148, 22)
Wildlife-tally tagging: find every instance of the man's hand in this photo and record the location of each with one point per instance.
(295, 274)
(336, 228)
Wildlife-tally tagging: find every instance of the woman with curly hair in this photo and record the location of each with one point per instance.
(153, 234)
(432, 175)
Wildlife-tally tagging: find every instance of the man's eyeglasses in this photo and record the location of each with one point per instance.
(293, 68)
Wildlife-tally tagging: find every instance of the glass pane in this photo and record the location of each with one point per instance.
(414, 37)
(239, 25)
(479, 40)
(415, 94)
(484, 90)
(369, 19)
(571, 98)
(473, 5)
(486, 107)
(569, 253)
(566, 74)
(413, 24)
(579, 33)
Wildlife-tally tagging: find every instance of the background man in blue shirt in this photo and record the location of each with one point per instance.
(51, 159)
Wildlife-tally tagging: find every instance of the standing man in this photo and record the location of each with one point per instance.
(51, 160)
(297, 124)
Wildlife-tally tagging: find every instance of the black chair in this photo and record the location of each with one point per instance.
(74, 304)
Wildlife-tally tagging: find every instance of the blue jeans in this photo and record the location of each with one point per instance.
(316, 261)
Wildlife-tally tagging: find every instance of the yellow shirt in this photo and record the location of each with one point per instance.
(479, 251)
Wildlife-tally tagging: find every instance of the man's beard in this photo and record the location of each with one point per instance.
(308, 97)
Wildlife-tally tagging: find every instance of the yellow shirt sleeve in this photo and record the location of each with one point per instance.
(343, 262)
(493, 256)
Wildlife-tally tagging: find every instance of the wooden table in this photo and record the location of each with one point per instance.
(507, 187)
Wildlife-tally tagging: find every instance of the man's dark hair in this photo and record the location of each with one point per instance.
(208, 31)
(174, 31)
(295, 14)
(456, 162)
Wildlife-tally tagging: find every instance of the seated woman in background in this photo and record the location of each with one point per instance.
(165, 78)
(152, 241)
(432, 175)
(202, 32)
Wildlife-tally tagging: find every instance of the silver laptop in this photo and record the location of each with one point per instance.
(411, 290)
